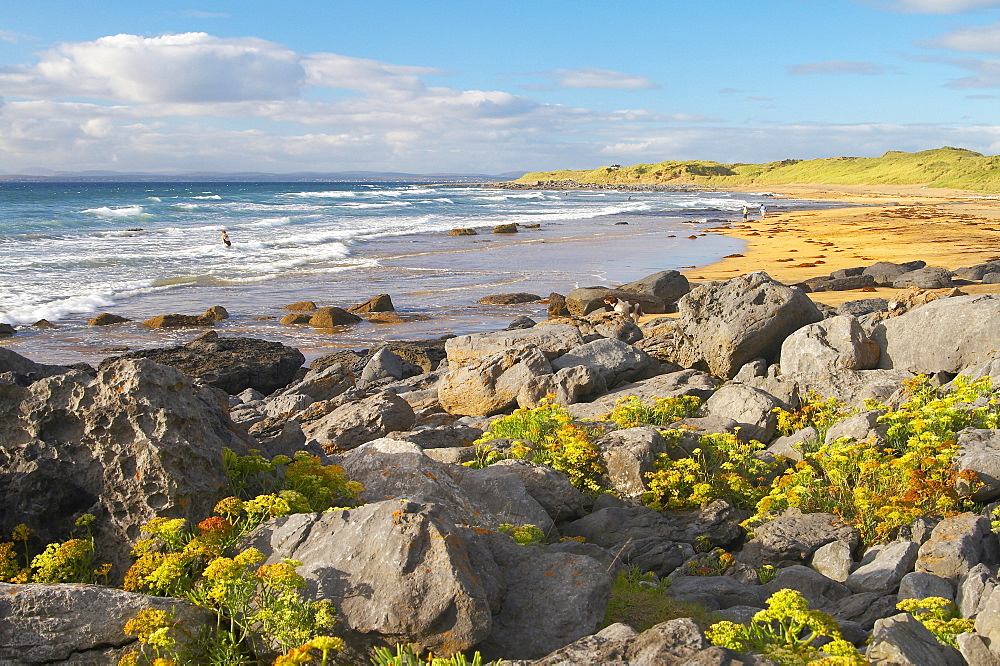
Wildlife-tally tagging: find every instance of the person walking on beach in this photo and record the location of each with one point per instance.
(763, 211)
(225, 239)
(746, 212)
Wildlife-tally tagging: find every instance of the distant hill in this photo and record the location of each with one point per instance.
(943, 167)
(38, 174)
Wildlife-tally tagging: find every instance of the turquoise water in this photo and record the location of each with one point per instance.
(71, 250)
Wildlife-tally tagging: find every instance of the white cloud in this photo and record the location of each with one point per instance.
(940, 6)
(979, 39)
(838, 67)
(189, 67)
(589, 77)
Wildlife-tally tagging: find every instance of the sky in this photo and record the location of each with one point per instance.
(488, 87)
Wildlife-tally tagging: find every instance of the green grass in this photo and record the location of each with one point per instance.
(641, 604)
(943, 167)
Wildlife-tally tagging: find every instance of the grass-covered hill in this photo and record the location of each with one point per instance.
(943, 167)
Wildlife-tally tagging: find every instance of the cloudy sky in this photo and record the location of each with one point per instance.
(488, 87)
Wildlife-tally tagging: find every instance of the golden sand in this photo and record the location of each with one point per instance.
(946, 228)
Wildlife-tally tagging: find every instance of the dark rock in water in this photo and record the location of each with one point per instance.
(177, 321)
(43, 323)
(107, 319)
(79, 624)
(216, 313)
(509, 299)
(557, 306)
(138, 441)
(24, 371)
(302, 306)
(296, 318)
(620, 223)
(505, 229)
(6, 330)
(380, 303)
(520, 322)
(230, 364)
(329, 317)
(463, 232)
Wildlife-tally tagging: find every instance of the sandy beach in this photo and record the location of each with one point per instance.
(946, 228)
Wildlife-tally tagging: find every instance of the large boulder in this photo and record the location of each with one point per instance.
(752, 409)
(828, 347)
(394, 571)
(616, 361)
(355, 423)
(491, 384)
(552, 339)
(945, 335)
(955, 547)
(230, 364)
(723, 325)
(924, 278)
(667, 286)
(670, 385)
(884, 272)
(795, 537)
(79, 624)
(138, 441)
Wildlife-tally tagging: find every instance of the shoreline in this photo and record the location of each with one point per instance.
(946, 228)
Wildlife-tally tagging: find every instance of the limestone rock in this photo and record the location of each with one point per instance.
(903, 640)
(491, 385)
(828, 347)
(78, 624)
(616, 361)
(955, 546)
(945, 335)
(177, 321)
(885, 572)
(924, 278)
(552, 340)
(795, 537)
(667, 286)
(750, 408)
(722, 326)
(509, 299)
(355, 423)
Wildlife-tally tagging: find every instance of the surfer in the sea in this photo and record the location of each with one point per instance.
(225, 239)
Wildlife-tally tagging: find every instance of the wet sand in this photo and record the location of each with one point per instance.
(946, 228)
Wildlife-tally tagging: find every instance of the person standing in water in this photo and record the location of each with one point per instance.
(746, 212)
(763, 211)
(225, 239)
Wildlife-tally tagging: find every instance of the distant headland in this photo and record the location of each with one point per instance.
(946, 167)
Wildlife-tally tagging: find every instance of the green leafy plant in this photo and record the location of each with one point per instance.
(721, 467)
(546, 435)
(631, 411)
(713, 563)
(786, 631)
(524, 535)
(70, 561)
(813, 411)
(302, 481)
(878, 489)
(940, 616)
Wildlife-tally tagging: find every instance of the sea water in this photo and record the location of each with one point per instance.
(69, 251)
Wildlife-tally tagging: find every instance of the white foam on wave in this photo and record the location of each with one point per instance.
(271, 222)
(154, 199)
(362, 205)
(331, 194)
(122, 211)
(208, 196)
(87, 303)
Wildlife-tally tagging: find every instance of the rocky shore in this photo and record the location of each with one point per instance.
(469, 527)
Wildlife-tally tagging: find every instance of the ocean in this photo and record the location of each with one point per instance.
(69, 251)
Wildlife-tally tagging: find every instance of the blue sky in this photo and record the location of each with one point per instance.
(489, 87)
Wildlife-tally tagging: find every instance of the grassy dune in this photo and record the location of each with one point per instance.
(943, 167)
